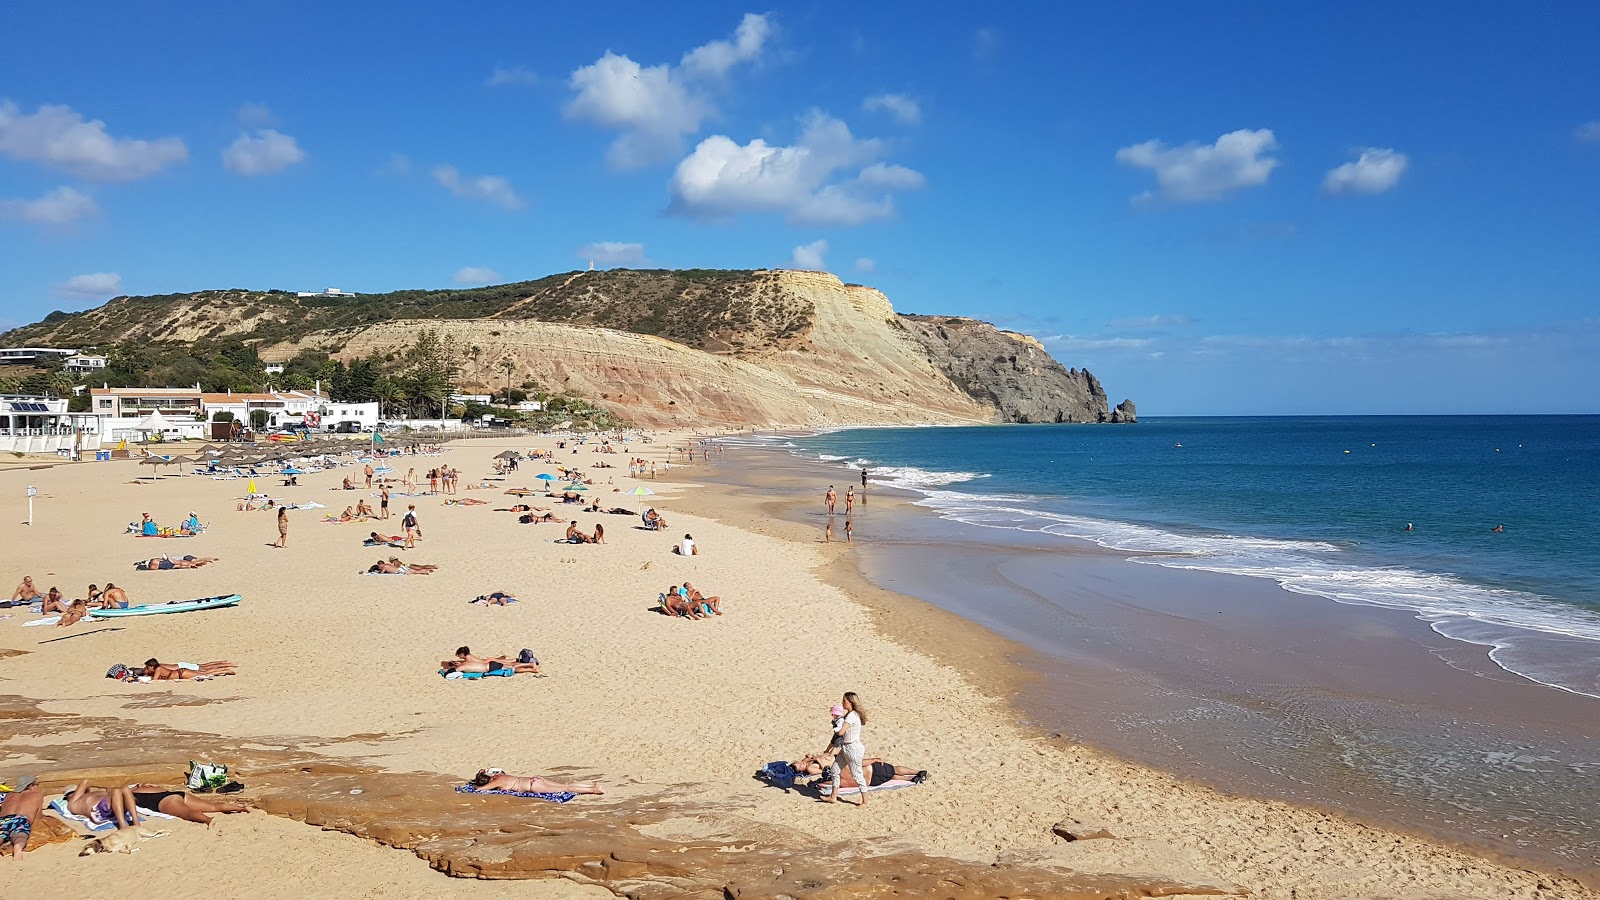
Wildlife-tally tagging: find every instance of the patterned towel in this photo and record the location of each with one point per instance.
(562, 797)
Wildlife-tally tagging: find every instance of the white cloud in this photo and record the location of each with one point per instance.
(265, 153)
(1588, 132)
(713, 60)
(1196, 172)
(1090, 344)
(94, 286)
(655, 107)
(866, 265)
(519, 76)
(61, 206)
(489, 188)
(809, 256)
(808, 183)
(475, 275)
(256, 115)
(1376, 170)
(58, 137)
(1135, 322)
(614, 253)
(905, 110)
(985, 41)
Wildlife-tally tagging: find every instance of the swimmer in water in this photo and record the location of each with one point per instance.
(1409, 527)
(1498, 528)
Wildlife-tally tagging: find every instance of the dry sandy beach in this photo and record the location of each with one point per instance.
(672, 716)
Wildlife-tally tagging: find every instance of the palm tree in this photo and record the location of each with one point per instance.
(508, 366)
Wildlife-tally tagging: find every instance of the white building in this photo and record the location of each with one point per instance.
(83, 363)
(364, 415)
(327, 292)
(31, 424)
(273, 368)
(30, 356)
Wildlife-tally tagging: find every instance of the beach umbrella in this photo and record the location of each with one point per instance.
(640, 492)
(575, 487)
(506, 454)
(293, 471)
(545, 476)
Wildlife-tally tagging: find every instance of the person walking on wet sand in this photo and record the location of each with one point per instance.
(283, 527)
(851, 750)
(832, 498)
(849, 529)
(863, 487)
(849, 499)
(827, 531)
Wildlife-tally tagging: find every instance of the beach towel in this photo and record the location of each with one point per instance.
(386, 574)
(474, 676)
(59, 807)
(51, 620)
(562, 797)
(825, 787)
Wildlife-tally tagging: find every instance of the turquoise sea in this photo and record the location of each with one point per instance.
(1318, 504)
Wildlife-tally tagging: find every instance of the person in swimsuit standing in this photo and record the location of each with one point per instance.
(852, 751)
(283, 527)
(383, 502)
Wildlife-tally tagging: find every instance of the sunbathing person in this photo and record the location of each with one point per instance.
(421, 567)
(676, 603)
(163, 563)
(599, 536)
(495, 598)
(396, 567)
(180, 804)
(25, 591)
(489, 666)
(574, 536)
(878, 771)
(363, 508)
(75, 612)
(496, 780)
(54, 602)
(114, 597)
(348, 484)
(698, 599)
(654, 520)
(349, 514)
(375, 539)
(18, 811)
(466, 501)
(102, 805)
(156, 670)
(538, 518)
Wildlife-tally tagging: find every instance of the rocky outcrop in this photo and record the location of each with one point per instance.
(1124, 414)
(1010, 372)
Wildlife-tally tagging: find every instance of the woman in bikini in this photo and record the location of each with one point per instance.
(156, 670)
(180, 804)
(102, 805)
(500, 781)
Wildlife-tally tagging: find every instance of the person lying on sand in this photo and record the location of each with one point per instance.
(18, 811)
(163, 563)
(495, 598)
(180, 804)
(375, 539)
(101, 805)
(496, 780)
(466, 501)
(698, 599)
(484, 668)
(879, 771)
(25, 591)
(416, 566)
(75, 613)
(156, 670)
(394, 566)
(538, 518)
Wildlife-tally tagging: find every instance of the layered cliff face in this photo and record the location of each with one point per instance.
(1009, 371)
(763, 348)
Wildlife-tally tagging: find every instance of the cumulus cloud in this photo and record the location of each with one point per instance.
(475, 275)
(61, 206)
(1197, 172)
(809, 256)
(654, 108)
(905, 110)
(93, 286)
(1588, 132)
(866, 265)
(828, 177)
(264, 153)
(1376, 170)
(512, 76)
(58, 137)
(1138, 322)
(493, 189)
(614, 253)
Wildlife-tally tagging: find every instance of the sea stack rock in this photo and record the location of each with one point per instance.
(1124, 413)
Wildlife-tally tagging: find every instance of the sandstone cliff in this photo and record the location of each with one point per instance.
(765, 348)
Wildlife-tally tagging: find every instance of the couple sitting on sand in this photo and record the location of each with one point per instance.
(393, 566)
(688, 602)
(574, 536)
(653, 521)
(121, 805)
(525, 663)
(164, 562)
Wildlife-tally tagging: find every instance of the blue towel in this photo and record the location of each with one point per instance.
(562, 797)
(778, 774)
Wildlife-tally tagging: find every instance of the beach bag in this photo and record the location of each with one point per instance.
(206, 776)
(120, 672)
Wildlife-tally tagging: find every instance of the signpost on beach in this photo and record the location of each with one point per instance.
(32, 493)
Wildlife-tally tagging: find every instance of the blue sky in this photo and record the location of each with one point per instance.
(1246, 209)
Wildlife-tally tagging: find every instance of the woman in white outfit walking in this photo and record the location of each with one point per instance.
(851, 750)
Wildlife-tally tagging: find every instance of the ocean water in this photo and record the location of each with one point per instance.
(1317, 504)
